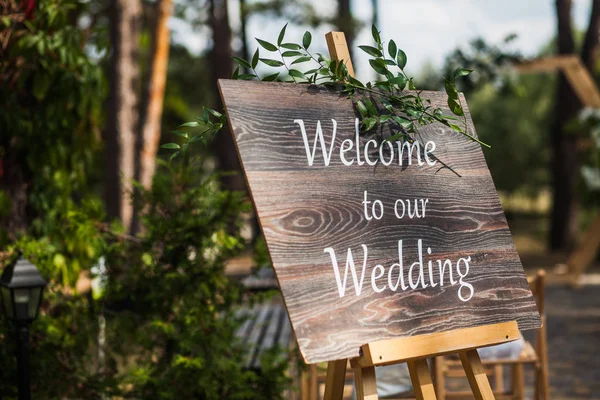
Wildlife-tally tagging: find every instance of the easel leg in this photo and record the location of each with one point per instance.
(518, 381)
(499, 378)
(440, 377)
(421, 379)
(314, 387)
(336, 375)
(366, 384)
(480, 385)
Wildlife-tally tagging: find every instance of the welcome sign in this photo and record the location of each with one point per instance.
(373, 239)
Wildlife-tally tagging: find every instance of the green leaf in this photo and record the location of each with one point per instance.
(384, 86)
(460, 71)
(403, 122)
(455, 106)
(247, 77)
(372, 51)
(292, 53)
(255, 59)
(191, 124)
(291, 46)
(369, 123)
(297, 74)
(300, 60)
(271, 63)
(242, 62)
(323, 71)
(170, 146)
(195, 139)
(270, 78)
(266, 45)
(450, 89)
(355, 82)
(399, 80)
(411, 84)
(281, 35)
(375, 34)
(370, 107)
(306, 39)
(213, 112)
(183, 134)
(387, 105)
(401, 59)
(361, 109)
(174, 155)
(333, 66)
(456, 128)
(236, 73)
(379, 66)
(384, 118)
(392, 49)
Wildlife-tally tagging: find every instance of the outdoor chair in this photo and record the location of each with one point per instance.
(534, 354)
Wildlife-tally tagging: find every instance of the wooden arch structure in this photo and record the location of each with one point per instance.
(584, 86)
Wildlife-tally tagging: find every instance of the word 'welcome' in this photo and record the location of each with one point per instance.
(351, 153)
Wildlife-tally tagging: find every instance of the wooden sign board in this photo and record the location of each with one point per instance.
(373, 240)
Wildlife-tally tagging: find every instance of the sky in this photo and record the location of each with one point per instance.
(427, 30)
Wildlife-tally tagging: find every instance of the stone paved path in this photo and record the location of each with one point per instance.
(574, 341)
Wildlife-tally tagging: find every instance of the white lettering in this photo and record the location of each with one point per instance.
(318, 138)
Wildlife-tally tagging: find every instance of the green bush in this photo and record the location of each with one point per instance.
(162, 321)
(168, 298)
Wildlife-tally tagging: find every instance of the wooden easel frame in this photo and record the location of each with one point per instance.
(414, 350)
(586, 90)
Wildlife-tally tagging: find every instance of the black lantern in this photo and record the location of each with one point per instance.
(21, 286)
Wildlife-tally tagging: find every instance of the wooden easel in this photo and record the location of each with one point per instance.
(414, 350)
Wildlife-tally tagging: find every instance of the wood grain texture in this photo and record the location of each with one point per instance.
(304, 209)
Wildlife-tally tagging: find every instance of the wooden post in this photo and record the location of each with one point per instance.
(421, 379)
(336, 375)
(338, 49)
(365, 382)
(476, 375)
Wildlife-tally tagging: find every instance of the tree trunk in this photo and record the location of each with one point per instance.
(243, 29)
(222, 67)
(123, 109)
(375, 7)
(564, 225)
(14, 184)
(156, 92)
(589, 50)
(345, 24)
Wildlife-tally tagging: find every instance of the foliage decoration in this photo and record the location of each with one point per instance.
(393, 102)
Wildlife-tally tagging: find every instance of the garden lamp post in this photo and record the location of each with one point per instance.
(21, 286)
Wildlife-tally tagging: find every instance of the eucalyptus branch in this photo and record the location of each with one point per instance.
(284, 64)
(394, 100)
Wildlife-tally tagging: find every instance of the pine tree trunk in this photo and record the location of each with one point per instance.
(244, 30)
(122, 118)
(14, 184)
(222, 67)
(345, 23)
(564, 224)
(375, 7)
(156, 92)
